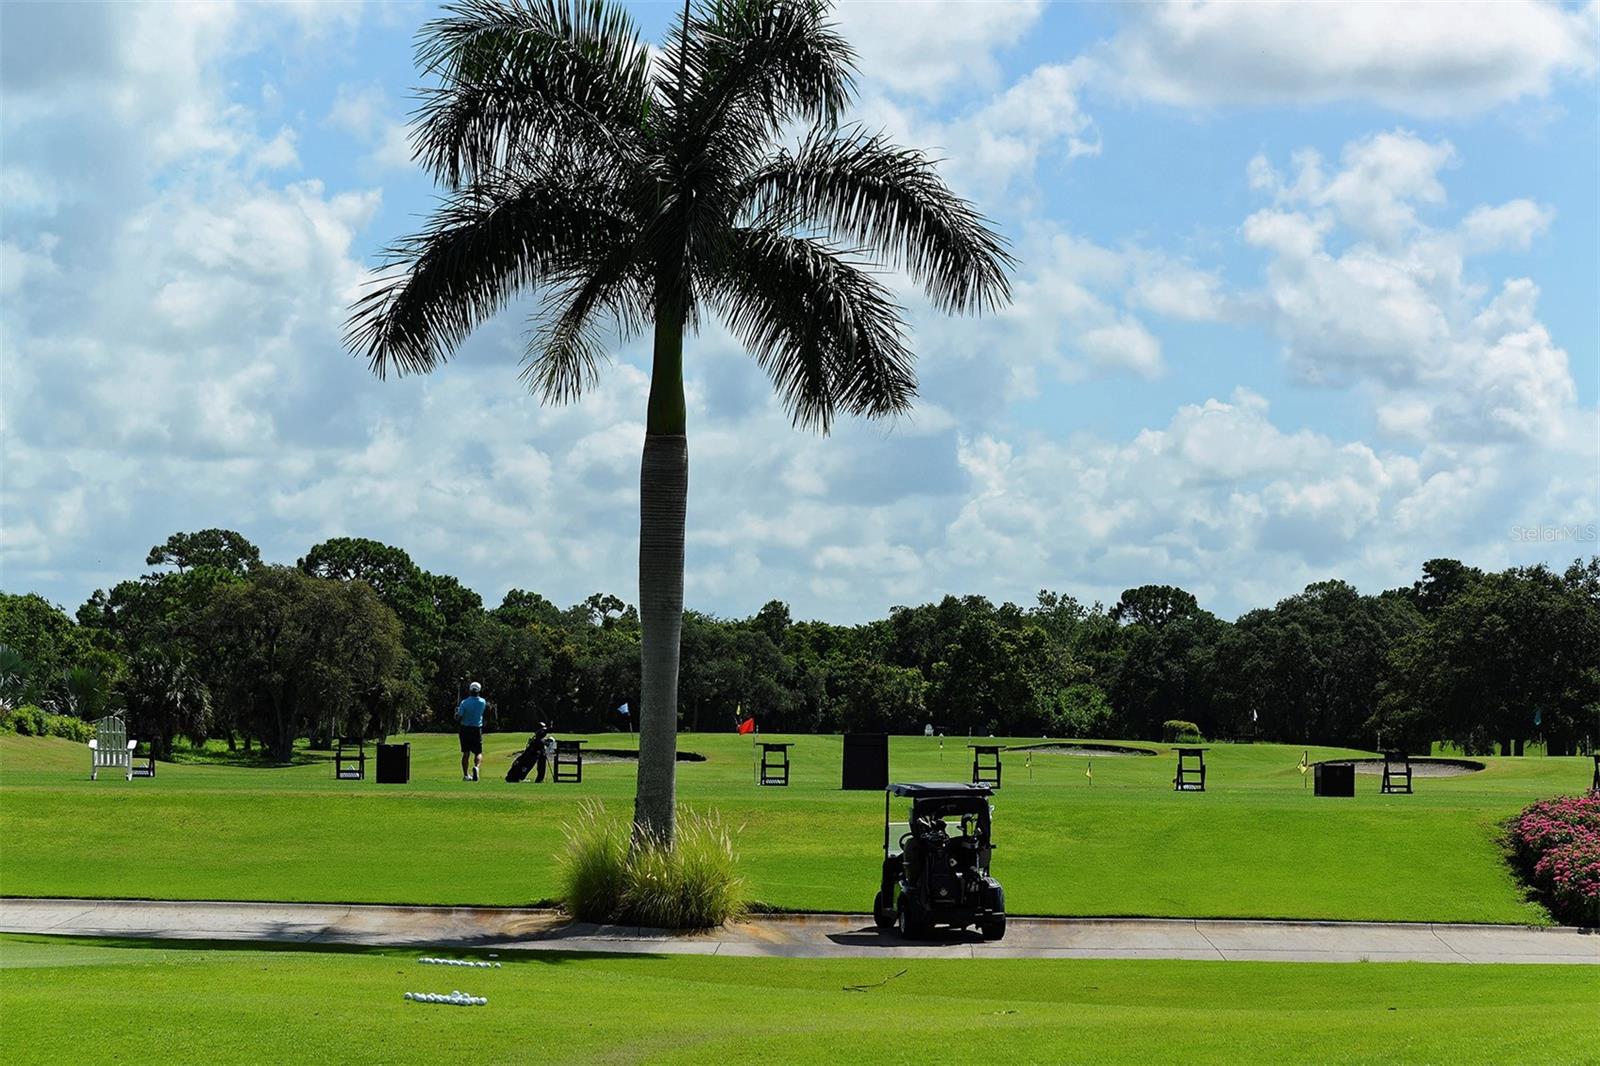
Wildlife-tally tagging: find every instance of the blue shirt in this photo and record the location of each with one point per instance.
(471, 711)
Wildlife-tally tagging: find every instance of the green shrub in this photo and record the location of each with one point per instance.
(30, 721)
(69, 728)
(692, 885)
(1177, 731)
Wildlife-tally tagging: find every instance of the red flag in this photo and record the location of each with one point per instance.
(748, 725)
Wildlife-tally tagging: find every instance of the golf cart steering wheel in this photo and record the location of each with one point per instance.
(905, 837)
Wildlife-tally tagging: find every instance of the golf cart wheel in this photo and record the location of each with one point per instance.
(882, 913)
(993, 927)
(902, 916)
(910, 925)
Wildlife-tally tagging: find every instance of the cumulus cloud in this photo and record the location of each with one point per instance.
(1364, 292)
(926, 48)
(1226, 502)
(1430, 59)
(366, 113)
(991, 150)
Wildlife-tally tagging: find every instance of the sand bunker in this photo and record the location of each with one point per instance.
(598, 755)
(1419, 767)
(1084, 748)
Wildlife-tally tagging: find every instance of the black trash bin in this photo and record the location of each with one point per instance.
(394, 764)
(1335, 779)
(866, 761)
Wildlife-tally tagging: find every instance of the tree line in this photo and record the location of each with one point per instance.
(214, 643)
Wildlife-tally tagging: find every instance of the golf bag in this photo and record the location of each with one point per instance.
(523, 763)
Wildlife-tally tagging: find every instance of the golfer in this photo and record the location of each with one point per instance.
(469, 713)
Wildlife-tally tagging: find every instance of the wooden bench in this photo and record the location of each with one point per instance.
(567, 766)
(1396, 772)
(111, 749)
(773, 769)
(1190, 778)
(986, 764)
(350, 759)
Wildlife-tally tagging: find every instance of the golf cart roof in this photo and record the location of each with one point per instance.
(935, 789)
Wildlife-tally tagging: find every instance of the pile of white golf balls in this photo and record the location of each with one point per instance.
(454, 999)
(427, 961)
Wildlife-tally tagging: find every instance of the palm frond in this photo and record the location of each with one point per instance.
(483, 244)
(519, 75)
(565, 351)
(746, 67)
(892, 200)
(826, 331)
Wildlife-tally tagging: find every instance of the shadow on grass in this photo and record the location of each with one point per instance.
(256, 759)
(137, 940)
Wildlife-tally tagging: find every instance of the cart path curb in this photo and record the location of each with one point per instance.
(800, 936)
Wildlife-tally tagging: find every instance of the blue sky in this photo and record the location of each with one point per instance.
(1305, 291)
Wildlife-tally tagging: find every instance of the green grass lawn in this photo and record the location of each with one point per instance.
(1257, 844)
(77, 1001)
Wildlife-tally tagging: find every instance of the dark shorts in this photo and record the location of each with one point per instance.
(471, 739)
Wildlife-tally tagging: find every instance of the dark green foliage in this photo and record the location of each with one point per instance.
(293, 655)
(1501, 650)
(1154, 606)
(1463, 655)
(166, 696)
(47, 660)
(1314, 667)
(220, 548)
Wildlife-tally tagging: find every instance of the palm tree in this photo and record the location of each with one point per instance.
(641, 192)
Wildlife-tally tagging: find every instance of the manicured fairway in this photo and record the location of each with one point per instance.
(1257, 844)
(77, 1001)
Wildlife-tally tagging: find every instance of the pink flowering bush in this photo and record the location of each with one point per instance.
(1557, 845)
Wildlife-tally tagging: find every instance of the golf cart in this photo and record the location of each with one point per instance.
(936, 862)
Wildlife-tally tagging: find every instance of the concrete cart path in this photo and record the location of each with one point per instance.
(800, 936)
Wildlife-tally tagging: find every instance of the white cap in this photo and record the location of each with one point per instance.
(474, 687)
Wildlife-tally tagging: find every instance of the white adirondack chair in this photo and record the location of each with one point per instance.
(111, 748)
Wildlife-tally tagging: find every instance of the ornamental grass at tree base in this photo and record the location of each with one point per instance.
(610, 879)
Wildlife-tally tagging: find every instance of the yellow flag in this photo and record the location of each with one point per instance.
(1088, 770)
(1304, 765)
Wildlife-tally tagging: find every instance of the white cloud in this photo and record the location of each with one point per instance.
(1391, 310)
(1124, 343)
(1432, 59)
(1513, 225)
(927, 47)
(990, 150)
(1240, 510)
(360, 110)
(1382, 180)
(365, 113)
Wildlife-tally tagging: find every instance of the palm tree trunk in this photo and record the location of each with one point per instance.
(663, 495)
